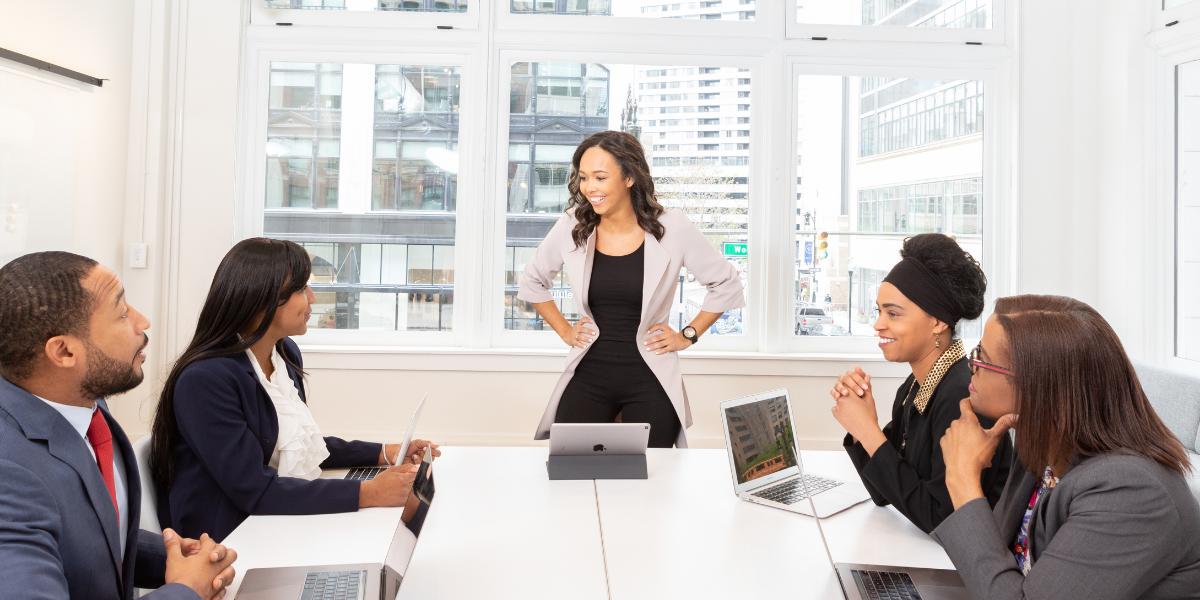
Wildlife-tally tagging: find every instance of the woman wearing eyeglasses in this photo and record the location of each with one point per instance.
(1096, 506)
(934, 286)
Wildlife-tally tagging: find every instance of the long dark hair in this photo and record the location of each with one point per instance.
(628, 153)
(1075, 389)
(255, 277)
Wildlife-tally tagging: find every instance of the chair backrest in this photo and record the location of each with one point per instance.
(141, 450)
(1175, 395)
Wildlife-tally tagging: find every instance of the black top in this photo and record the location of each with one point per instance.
(615, 294)
(909, 472)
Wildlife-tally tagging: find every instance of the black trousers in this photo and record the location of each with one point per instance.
(613, 379)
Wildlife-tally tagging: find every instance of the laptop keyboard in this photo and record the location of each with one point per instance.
(791, 491)
(364, 473)
(335, 585)
(886, 585)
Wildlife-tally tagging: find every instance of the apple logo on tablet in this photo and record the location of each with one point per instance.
(598, 448)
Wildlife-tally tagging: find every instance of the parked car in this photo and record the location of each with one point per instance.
(810, 318)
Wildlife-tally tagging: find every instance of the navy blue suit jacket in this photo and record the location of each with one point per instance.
(228, 428)
(59, 533)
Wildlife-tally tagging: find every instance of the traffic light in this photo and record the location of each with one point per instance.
(823, 244)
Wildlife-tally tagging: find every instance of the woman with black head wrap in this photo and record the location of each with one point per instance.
(933, 287)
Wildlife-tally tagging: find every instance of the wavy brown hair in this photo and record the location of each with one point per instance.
(627, 151)
(1074, 387)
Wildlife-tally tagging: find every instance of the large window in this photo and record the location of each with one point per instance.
(917, 167)
(369, 5)
(421, 150)
(362, 170)
(972, 14)
(735, 10)
(696, 137)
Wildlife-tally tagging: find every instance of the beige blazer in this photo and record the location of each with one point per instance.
(682, 245)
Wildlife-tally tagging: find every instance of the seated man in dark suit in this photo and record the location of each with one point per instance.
(69, 491)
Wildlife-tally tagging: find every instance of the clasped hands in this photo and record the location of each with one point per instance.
(854, 409)
(660, 338)
(202, 565)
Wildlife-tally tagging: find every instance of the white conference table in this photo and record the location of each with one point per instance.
(683, 533)
(869, 534)
(500, 529)
(288, 541)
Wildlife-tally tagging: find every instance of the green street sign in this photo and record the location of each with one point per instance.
(736, 249)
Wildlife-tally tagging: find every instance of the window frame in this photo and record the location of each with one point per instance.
(1170, 48)
(262, 16)
(550, 23)
(997, 35)
(1182, 13)
(484, 57)
(259, 53)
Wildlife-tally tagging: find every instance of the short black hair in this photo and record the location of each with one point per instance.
(953, 265)
(41, 296)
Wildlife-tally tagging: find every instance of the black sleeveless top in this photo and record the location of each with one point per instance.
(615, 294)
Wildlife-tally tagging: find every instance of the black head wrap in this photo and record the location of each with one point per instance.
(926, 290)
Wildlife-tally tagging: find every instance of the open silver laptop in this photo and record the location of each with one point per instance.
(857, 581)
(763, 459)
(363, 581)
(365, 473)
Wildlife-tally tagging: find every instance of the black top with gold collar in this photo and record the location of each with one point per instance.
(908, 472)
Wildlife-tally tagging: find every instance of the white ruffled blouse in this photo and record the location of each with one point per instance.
(300, 448)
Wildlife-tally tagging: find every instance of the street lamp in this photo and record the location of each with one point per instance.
(682, 279)
(850, 303)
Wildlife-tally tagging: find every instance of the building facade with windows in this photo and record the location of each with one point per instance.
(383, 246)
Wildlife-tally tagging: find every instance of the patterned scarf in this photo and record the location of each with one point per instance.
(952, 355)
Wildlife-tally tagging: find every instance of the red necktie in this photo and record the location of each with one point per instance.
(100, 437)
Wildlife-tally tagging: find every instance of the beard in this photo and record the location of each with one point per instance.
(107, 376)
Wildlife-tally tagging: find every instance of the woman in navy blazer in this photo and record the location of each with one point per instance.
(217, 427)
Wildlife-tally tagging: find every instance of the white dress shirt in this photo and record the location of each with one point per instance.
(300, 448)
(80, 419)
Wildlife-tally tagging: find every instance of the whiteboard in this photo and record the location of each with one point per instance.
(39, 120)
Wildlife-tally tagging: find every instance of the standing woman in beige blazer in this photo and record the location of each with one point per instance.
(622, 251)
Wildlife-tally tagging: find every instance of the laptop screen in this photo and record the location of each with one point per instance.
(761, 440)
(404, 541)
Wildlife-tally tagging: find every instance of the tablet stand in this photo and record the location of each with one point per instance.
(611, 466)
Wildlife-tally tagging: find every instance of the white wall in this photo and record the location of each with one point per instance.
(92, 38)
(95, 38)
(1080, 87)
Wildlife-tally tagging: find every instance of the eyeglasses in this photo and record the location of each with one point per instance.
(975, 363)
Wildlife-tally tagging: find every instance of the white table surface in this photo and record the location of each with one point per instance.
(683, 533)
(499, 528)
(870, 534)
(289, 541)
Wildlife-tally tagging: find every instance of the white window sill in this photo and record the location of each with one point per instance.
(540, 360)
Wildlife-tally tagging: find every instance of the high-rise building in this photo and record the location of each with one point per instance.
(757, 427)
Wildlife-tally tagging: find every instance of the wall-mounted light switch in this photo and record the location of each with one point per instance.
(137, 256)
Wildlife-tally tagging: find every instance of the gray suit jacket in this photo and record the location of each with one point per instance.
(1115, 526)
(58, 525)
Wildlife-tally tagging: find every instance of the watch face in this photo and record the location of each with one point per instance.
(689, 332)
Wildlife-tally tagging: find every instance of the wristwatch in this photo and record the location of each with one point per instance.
(689, 334)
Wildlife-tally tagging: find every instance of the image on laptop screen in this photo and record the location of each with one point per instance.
(761, 438)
